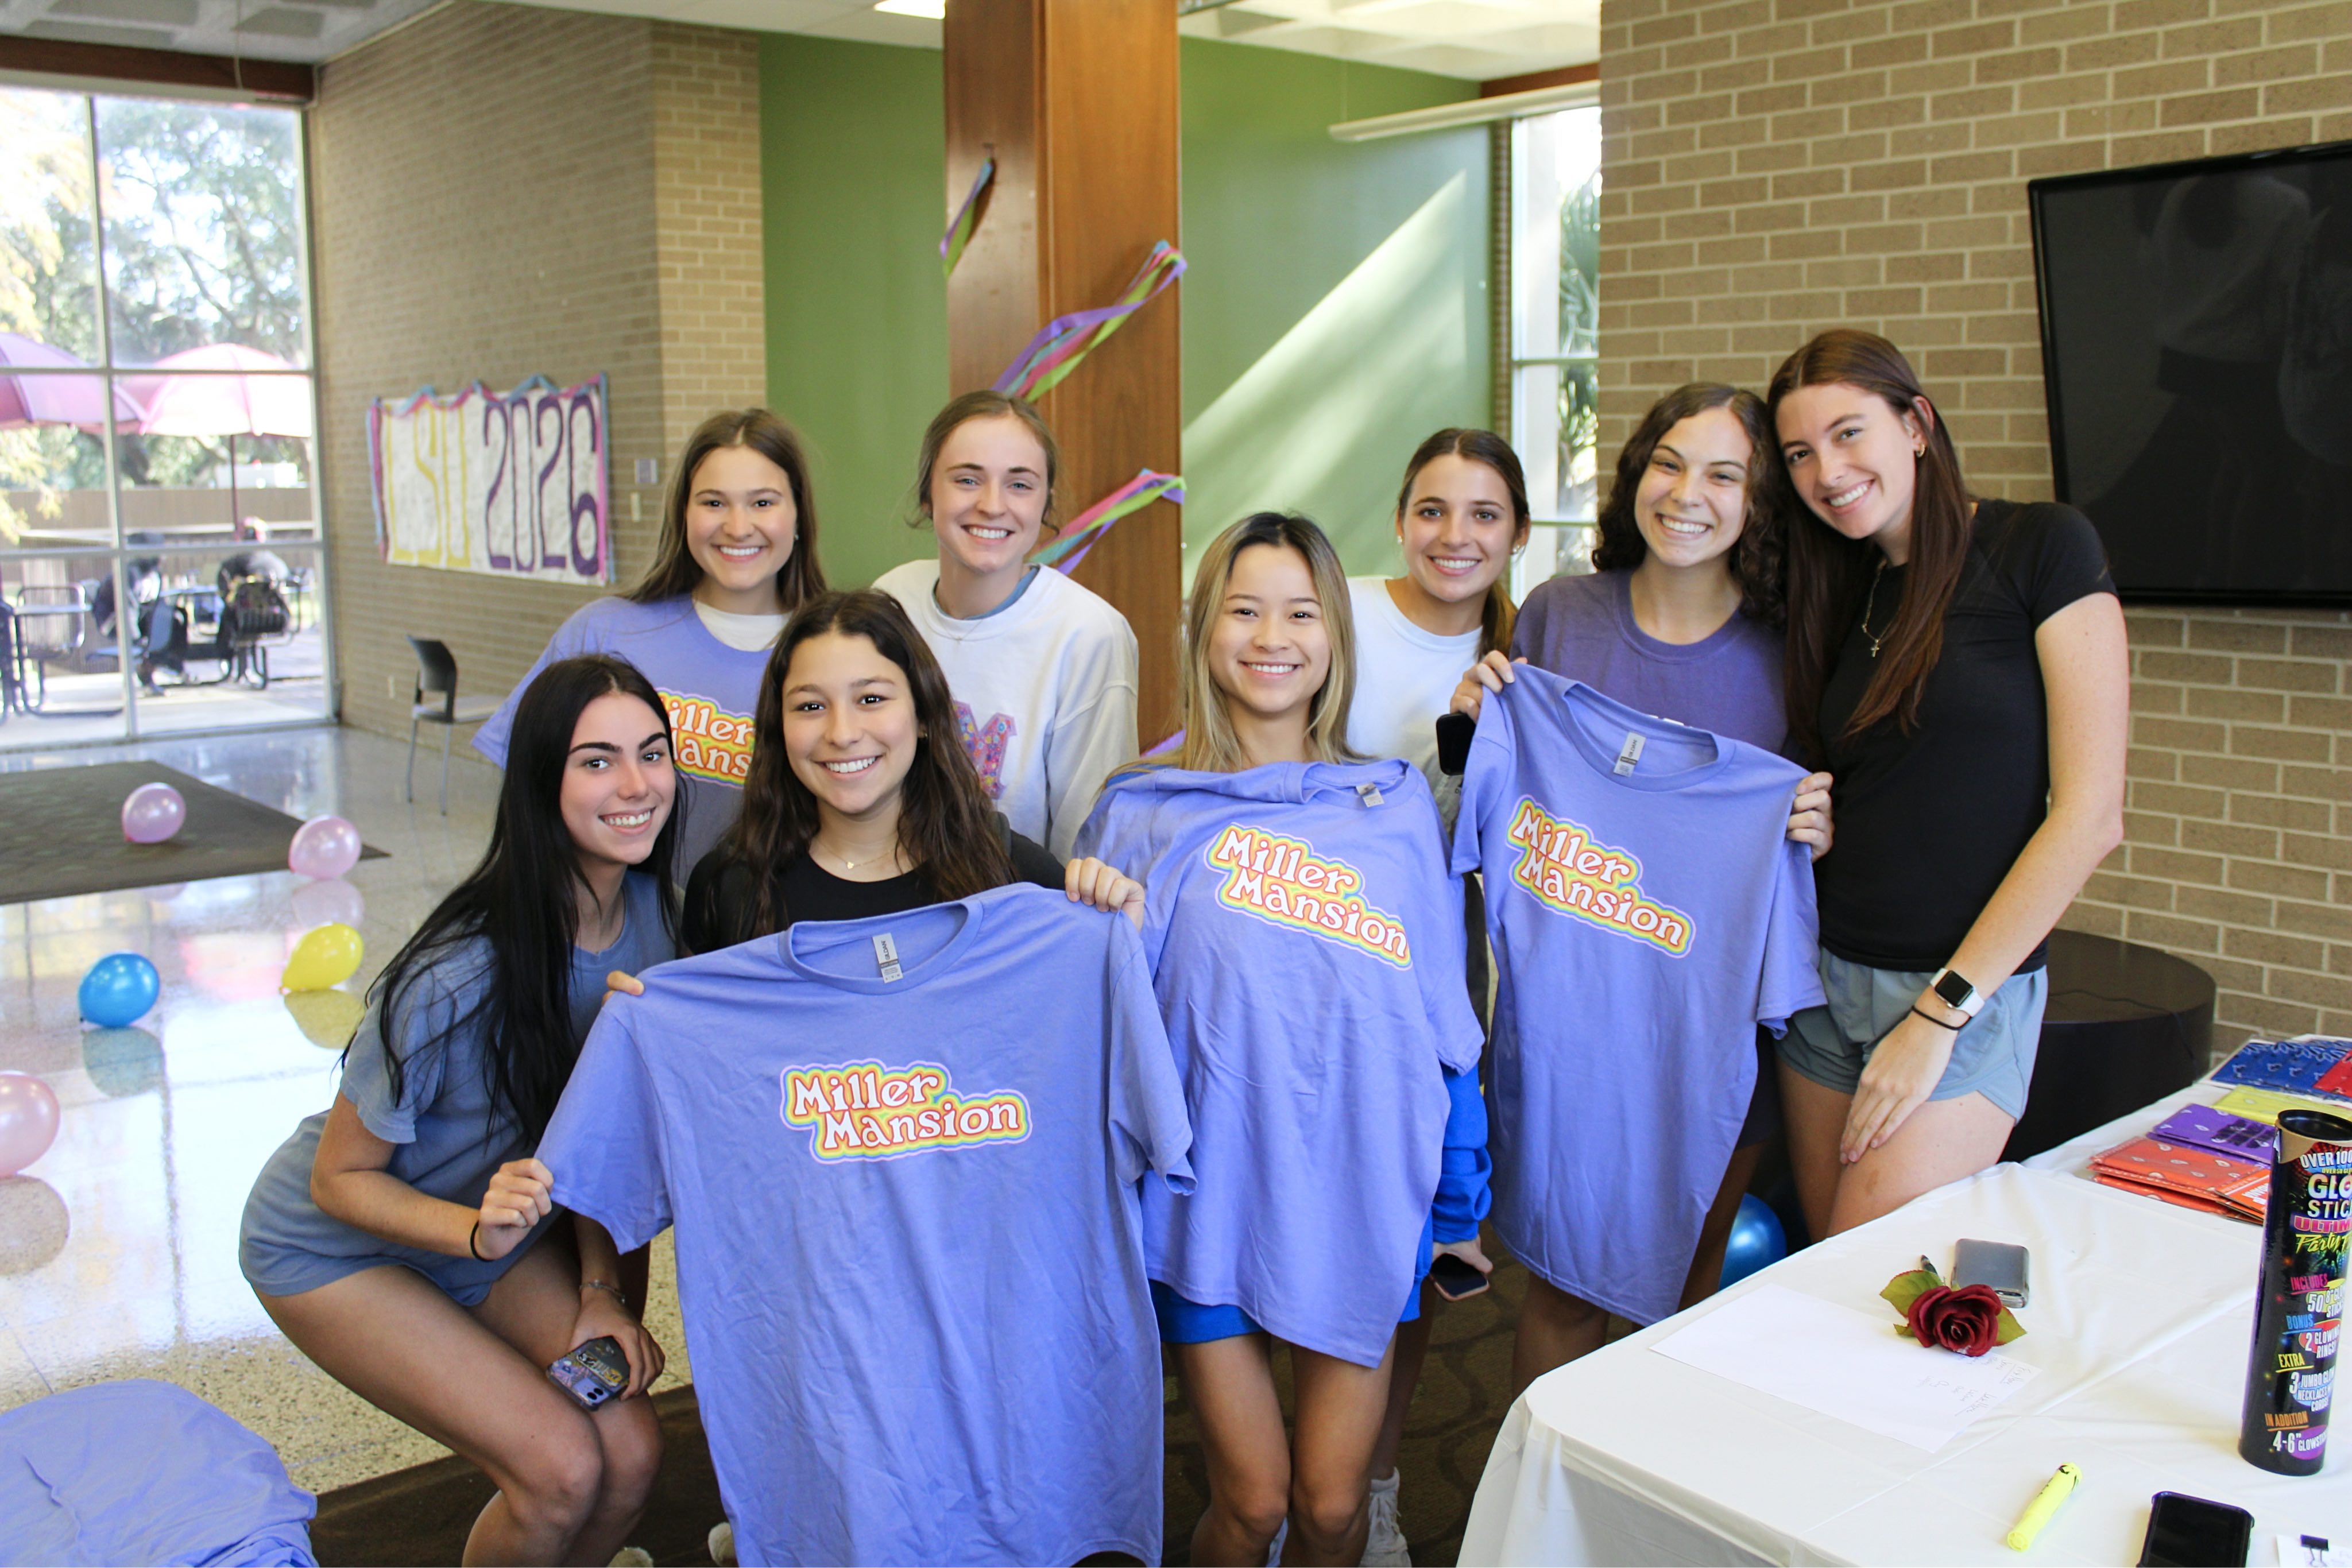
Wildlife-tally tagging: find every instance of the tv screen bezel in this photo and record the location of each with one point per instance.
(2035, 191)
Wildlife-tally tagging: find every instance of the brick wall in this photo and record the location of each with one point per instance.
(499, 191)
(1773, 167)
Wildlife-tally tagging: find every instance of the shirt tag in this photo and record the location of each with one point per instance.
(1370, 794)
(886, 954)
(1629, 754)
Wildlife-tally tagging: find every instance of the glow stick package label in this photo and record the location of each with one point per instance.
(2298, 1308)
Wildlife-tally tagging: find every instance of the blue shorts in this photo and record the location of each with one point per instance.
(1993, 1056)
(1184, 1321)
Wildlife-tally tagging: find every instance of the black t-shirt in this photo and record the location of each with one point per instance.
(718, 894)
(1928, 823)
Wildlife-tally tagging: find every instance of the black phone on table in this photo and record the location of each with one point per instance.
(2186, 1531)
(1455, 1279)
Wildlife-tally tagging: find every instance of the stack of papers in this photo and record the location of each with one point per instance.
(2198, 1157)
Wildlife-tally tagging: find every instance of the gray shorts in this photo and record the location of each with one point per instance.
(1993, 1056)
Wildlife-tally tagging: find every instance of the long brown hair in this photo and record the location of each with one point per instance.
(1210, 745)
(1479, 446)
(947, 829)
(984, 404)
(675, 573)
(1756, 560)
(1829, 573)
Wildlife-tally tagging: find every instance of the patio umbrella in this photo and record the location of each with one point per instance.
(252, 392)
(56, 399)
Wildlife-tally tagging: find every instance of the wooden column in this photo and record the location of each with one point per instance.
(1076, 99)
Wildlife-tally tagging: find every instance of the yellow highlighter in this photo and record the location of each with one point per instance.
(2044, 1506)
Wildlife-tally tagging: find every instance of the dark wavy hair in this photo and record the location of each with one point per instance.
(522, 901)
(1759, 559)
(675, 572)
(1829, 573)
(1479, 446)
(947, 829)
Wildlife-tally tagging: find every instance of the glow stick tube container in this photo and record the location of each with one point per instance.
(2299, 1305)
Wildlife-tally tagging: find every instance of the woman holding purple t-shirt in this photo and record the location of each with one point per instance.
(1680, 618)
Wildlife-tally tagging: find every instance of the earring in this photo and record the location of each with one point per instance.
(1920, 450)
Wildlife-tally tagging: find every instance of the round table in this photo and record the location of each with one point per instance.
(2126, 1025)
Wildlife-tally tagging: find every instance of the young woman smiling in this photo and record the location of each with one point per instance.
(403, 1239)
(1960, 664)
(1305, 944)
(1680, 617)
(737, 555)
(860, 800)
(1043, 672)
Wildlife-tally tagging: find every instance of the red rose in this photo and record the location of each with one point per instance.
(1967, 1320)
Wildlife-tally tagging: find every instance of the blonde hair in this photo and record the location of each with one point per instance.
(1210, 745)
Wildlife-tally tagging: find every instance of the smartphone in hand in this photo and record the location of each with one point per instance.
(1456, 1279)
(593, 1372)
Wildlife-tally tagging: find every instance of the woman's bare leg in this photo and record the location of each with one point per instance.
(1714, 1235)
(1940, 1141)
(1339, 1410)
(1555, 1328)
(1229, 1382)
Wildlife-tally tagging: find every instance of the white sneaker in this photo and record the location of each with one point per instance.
(632, 1557)
(722, 1544)
(1274, 1552)
(1384, 1546)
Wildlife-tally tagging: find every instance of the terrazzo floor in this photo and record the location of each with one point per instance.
(118, 1247)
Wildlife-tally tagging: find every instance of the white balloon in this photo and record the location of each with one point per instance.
(333, 902)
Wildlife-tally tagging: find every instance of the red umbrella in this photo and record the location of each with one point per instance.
(57, 400)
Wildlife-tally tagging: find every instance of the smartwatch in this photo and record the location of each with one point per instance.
(1953, 991)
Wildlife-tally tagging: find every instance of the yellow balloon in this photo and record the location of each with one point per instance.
(324, 958)
(326, 1018)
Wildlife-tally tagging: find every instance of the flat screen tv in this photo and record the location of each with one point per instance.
(2197, 357)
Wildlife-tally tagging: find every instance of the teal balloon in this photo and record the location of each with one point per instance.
(119, 990)
(122, 1061)
(1757, 1240)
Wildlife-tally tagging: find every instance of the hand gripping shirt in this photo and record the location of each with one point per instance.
(901, 1155)
(1647, 912)
(1305, 942)
(710, 690)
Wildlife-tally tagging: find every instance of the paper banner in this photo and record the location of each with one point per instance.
(1087, 529)
(510, 485)
(967, 218)
(1056, 352)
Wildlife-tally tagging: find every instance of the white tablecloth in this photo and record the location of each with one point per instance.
(2140, 1321)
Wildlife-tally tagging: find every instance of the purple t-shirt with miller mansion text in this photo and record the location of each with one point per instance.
(1647, 912)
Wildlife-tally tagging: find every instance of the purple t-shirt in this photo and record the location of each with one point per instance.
(711, 689)
(1305, 942)
(1648, 912)
(902, 1154)
(1730, 682)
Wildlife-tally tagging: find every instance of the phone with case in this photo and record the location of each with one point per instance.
(593, 1372)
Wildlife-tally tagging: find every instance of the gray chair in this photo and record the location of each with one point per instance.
(436, 702)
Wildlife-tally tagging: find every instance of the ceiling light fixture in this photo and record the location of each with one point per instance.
(931, 10)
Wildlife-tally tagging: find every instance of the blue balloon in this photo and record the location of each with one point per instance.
(1755, 1242)
(118, 989)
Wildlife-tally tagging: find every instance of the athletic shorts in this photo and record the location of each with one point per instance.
(1184, 1321)
(1993, 1056)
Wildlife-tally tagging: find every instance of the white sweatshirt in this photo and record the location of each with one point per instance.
(1044, 691)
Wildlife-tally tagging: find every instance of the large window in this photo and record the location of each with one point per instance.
(1555, 264)
(159, 537)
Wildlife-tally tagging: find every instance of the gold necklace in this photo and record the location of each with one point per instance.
(1870, 604)
(846, 865)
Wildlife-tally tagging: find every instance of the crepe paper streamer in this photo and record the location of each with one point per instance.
(1087, 529)
(967, 218)
(1055, 351)
(2043, 1507)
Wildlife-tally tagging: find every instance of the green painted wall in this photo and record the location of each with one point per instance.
(1336, 309)
(1335, 312)
(851, 157)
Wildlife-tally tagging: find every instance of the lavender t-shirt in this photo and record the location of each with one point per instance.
(901, 1155)
(709, 688)
(1728, 683)
(1305, 942)
(1648, 910)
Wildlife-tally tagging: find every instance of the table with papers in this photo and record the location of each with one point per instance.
(1670, 1446)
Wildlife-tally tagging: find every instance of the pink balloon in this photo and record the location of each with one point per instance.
(151, 813)
(29, 1121)
(324, 847)
(331, 902)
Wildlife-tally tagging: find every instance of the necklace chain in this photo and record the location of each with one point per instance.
(1870, 604)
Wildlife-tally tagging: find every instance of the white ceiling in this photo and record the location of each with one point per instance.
(1473, 39)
